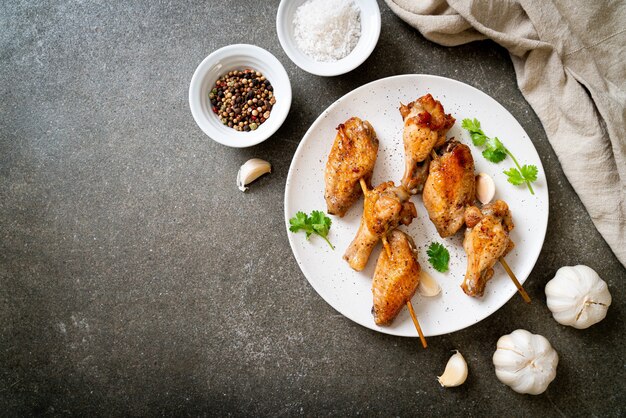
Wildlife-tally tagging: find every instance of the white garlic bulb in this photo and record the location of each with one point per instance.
(578, 297)
(526, 362)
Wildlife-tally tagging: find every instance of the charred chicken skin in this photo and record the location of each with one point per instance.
(396, 278)
(425, 128)
(450, 188)
(351, 158)
(486, 240)
(385, 207)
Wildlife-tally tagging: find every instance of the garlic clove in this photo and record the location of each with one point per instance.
(455, 372)
(485, 188)
(250, 171)
(428, 286)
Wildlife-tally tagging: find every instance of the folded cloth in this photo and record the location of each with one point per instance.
(570, 60)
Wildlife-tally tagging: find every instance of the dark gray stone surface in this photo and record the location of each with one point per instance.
(136, 280)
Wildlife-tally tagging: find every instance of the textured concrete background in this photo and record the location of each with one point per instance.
(135, 279)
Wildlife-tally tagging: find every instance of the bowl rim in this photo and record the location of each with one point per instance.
(327, 69)
(255, 53)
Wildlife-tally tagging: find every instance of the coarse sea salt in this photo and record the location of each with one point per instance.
(327, 30)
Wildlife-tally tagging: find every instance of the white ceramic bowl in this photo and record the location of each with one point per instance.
(370, 31)
(238, 57)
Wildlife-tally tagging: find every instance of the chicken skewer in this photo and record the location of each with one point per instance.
(385, 207)
(494, 223)
(450, 187)
(396, 278)
(351, 159)
(425, 127)
(486, 240)
(450, 191)
(384, 237)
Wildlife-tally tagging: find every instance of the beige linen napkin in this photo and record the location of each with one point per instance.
(570, 61)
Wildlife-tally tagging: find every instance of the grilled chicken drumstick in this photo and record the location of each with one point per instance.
(396, 277)
(425, 128)
(486, 241)
(385, 207)
(352, 157)
(450, 187)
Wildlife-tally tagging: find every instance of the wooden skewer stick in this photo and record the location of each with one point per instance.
(408, 303)
(520, 289)
(417, 324)
(433, 154)
(363, 186)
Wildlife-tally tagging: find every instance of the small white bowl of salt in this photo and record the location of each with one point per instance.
(328, 37)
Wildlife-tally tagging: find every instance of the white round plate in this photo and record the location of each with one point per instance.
(348, 291)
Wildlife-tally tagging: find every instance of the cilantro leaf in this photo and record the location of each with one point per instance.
(477, 134)
(471, 125)
(494, 150)
(514, 176)
(438, 256)
(317, 223)
(299, 222)
(527, 174)
(530, 172)
(478, 139)
(320, 222)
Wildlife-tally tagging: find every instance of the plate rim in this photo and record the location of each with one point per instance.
(299, 150)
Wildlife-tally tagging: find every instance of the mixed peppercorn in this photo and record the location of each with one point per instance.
(242, 100)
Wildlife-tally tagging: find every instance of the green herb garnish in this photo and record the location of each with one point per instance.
(528, 173)
(438, 256)
(317, 223)
(495, 151)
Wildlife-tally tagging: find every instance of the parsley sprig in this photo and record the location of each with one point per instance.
(438, 256)
(317, 223)
(495, 151)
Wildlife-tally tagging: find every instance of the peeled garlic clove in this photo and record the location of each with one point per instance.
(428, 286)
(250, 171)
(485, 188)
(455, 372)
